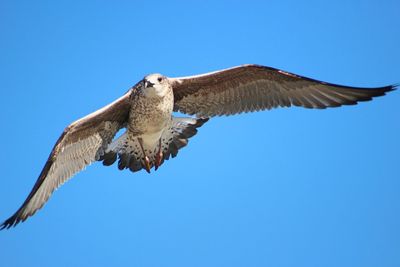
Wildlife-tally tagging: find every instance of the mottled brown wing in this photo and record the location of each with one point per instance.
(81, 143)
(252, 88)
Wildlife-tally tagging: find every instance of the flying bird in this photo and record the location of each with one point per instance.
(153, 135)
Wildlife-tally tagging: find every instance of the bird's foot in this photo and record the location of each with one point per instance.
(159, 158)
(146, 164)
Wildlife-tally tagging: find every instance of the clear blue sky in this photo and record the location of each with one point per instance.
(288, 187)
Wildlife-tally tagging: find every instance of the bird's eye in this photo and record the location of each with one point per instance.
(159, 79)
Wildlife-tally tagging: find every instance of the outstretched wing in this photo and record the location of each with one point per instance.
(81, 143)
(252, 88)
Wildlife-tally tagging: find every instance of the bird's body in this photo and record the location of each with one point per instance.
(150, 117)
(153, 134)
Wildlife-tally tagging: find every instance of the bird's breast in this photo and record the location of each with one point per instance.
(150, 114)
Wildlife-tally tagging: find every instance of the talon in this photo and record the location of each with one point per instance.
(147, 164)
(159, 158)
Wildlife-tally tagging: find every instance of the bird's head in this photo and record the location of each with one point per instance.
(155, 85)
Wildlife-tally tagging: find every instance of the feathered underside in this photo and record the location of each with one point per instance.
(130, 155)
(253, 88)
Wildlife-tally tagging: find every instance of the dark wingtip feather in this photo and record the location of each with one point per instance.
(6, 225)
(379, 91)
(385, 89)
(339, 95)
(11, 222)
(392, 87)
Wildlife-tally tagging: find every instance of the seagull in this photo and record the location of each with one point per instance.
(153, 134)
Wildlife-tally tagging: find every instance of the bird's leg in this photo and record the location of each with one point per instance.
(146, 164)
(159, 156)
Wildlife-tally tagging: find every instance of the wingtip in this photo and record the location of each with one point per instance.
(3, 226)
(10, 222)
(386, 89)
(393, 87)
(13, 221)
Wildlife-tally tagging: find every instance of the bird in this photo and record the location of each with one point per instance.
(153, 134)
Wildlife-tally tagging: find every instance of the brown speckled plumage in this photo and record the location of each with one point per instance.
(149, 114)
(153, 134)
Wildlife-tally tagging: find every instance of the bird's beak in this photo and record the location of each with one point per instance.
(148, 84)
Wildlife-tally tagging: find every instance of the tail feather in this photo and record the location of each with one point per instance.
(130, 156)
(109, 158)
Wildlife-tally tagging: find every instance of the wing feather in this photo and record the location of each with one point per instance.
(253, 88)
(82, 142)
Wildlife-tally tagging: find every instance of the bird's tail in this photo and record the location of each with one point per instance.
(130, 154)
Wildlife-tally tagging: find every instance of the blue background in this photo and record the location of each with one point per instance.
(288, 187)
